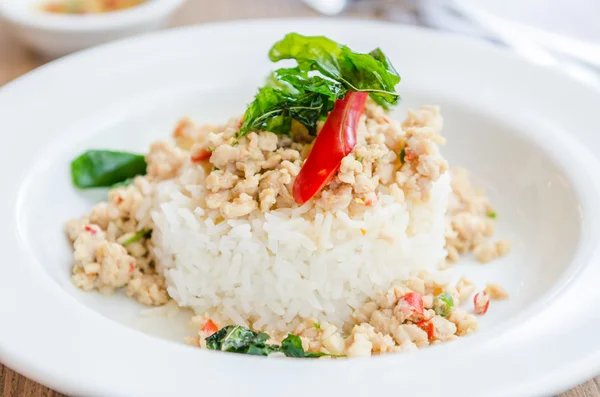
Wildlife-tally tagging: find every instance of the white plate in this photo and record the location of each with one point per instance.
(528, 134)
(576, 19)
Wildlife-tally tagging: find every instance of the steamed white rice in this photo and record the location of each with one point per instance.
(271, 270)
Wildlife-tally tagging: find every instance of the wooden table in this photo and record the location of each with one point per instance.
(15, 60)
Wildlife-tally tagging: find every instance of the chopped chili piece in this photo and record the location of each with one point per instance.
(90, 229)
(481, 301)
(202, 155)
(414, 301)
(427, 326)
(209, 327)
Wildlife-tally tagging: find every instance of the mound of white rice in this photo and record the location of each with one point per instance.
(270, 270)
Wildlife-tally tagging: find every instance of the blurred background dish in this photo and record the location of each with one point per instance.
(80, 7)
(53, 34)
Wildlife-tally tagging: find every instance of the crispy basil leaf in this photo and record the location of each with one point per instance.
(291, 346)
(274, 82)
(273, 110)
(358, 72)
(378, 54)
(105, 168)
(263, 350)
(237, 339)
(302, 83)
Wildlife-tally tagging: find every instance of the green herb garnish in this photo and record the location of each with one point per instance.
(492, 215)
(325, 72)
(145, 233)
(291, 346)
(357, 72)
(443, 304)
(273, 110)
(402, 155)
(317, 325)
(238, 339)
(104, 168)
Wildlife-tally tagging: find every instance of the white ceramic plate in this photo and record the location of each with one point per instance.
(528, 134)
(575, 19)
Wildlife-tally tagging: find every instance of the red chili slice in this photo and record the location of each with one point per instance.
(335, 141)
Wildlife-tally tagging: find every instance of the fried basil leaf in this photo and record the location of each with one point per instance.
(357, 72)
(237, 339)
(273, 110)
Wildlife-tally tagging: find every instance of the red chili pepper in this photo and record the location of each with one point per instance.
(481, 301)
(202, 155)
(427, 326)
(415, 301)
(90, 229)
(209, 327)
(335, 141)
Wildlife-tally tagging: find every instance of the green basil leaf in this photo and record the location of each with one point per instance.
(302, 83)
(262, 350)
(291, 346)
(237, 339)
(273, 110)
(372, 72)
(105, 168)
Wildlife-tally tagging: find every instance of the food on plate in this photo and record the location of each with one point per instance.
(312, 226)
(88, 6)
(471, 223)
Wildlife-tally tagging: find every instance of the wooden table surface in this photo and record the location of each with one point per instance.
(16, 60)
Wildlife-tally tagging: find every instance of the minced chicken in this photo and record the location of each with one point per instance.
(470, 223)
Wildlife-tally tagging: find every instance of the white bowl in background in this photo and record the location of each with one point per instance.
(55, 35)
